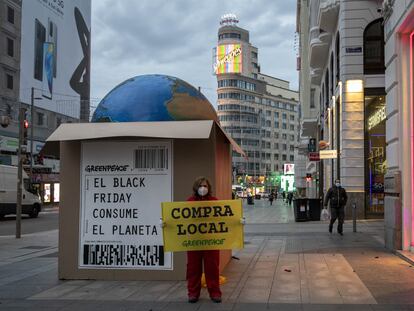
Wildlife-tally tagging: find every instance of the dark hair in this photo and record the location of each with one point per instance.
(197, 183)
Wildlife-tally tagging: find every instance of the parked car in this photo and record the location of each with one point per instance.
(31, 203)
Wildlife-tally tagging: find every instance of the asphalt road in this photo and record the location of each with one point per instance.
(47, 220)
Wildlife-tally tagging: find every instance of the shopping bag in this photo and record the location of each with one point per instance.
(325, 215)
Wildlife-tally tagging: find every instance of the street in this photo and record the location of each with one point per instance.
(47, 220)
(285, 265)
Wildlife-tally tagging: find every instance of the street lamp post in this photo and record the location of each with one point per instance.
(31, 134)
(32, 98)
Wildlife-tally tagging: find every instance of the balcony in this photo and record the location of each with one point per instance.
(328, 15)
(316, 75)
(318, 47)
(309, 127)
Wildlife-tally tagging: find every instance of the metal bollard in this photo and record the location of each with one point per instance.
(354, 217)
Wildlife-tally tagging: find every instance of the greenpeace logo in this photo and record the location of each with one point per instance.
(106, 168)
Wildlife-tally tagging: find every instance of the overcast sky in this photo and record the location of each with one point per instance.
(176, 37)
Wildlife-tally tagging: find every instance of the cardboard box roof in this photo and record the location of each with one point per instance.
(164, 129)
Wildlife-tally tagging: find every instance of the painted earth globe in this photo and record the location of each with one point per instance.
(154, 98)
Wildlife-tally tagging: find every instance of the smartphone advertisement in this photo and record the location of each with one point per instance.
(55, 54)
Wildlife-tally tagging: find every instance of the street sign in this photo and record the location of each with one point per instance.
(328, 154)
(314, 156)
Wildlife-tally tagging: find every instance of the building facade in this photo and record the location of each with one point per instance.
(260, 112)
(399, 86)
(342, 89)
(44, 68)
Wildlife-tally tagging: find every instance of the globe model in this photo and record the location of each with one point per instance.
(154, 98)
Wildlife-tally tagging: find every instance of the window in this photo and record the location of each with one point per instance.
(338, 54)
(276, 115)
(268, 146)
(332, 75)
(276, 145)
(327, 88)
(291, 148)
(9, 81)
(291, 158)
(276, 156)
(374, 48)
(292, 137)
(276, 167)
(10, 15)
(254, 55)
(276, 135)
(292, 127)
(283, 157)
(268, 134)
(284, 147)
(292, 117)
(277, 124)
(312, 98)
(10, 47)
(284, 136)
(268, 113)
(230, 35)
(284, 126)
(267, 156)
(284, 116)
(40, 119)
(268, 123)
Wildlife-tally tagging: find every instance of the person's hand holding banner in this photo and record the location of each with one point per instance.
(202, 225)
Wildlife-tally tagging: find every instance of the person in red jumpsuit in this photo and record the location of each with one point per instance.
(211, 258)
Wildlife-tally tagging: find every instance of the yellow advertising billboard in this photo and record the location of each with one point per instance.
(202, 225)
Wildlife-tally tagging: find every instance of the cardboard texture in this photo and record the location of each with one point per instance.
(193, 157)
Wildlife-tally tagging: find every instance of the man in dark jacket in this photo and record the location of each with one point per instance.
(337, 197)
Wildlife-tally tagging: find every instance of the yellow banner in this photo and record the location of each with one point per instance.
(202, 225)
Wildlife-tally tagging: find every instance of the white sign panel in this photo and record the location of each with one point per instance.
(55, 54)
(327, 154)
(122, 187)
(289, 168)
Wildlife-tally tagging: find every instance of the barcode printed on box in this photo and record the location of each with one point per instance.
(123, 255)
(151, 158)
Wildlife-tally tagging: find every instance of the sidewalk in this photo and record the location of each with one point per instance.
(284, 266)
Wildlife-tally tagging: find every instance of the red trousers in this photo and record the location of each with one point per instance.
(211, 270)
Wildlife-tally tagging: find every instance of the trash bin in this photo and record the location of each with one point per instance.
(315, 209)
(301, 209)
(250, 200)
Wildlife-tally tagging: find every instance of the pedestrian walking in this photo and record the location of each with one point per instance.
(202, 191)
(271, 197)
(284, 196)
(337, 197)
(290, 198)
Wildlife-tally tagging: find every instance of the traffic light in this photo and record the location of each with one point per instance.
(25, 128)
(312, 145)
(308, 177)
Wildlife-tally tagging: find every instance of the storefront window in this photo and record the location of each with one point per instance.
(56, 192)
(47, 193)
(375, 153)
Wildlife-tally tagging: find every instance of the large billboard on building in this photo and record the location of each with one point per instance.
(227, 59)
(55, 54)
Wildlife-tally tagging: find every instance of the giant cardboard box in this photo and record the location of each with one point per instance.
(114, 177)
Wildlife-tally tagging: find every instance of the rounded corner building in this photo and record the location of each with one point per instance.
(260, 112)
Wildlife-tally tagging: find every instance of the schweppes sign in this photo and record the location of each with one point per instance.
(202, 225)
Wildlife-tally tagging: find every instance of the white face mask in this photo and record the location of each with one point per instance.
(338, 184)
(202, 191)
